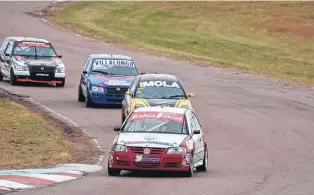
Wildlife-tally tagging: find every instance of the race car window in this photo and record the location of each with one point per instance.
(160, 89)
(4, 45)
(39, 49)
(9, 48)
(133, 85)
(195, 122)
(114, 67)
(88, 64)
(155, 122)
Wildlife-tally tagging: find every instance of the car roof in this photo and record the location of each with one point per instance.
(34, 39)
(111, 56)
(162, 109)
(153, 77)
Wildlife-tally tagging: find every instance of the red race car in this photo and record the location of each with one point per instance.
(161, 139)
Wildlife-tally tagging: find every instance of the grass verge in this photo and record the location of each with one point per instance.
(272, 38)
(27, 139)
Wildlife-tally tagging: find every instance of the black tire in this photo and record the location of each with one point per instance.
(80, 95)
(12, 78)
(1, 76)
(62, 84)
(89, 102)
(190, 172)
(204, 167)
(113, 172)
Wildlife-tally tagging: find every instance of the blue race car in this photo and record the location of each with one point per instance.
(105, 79)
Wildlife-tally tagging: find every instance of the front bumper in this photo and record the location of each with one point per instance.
(24, 76)
(102, 98)
(109, 96)
(167, 162)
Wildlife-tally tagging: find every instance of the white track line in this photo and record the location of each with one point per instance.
(55, 178)
(71, 172)
(69, 120)
(14, 185)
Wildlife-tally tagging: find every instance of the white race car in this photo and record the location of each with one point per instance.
(26, 59)
(159, 138)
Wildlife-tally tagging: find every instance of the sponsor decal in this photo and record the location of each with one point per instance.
(105, 64)
(41, 74)
(33, 44)
(151, 159)
(139, 158)
(149, 142)
(157, 115)
(117, 82)
(159, 84)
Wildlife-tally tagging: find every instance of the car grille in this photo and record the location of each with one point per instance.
(146, 164)
(139, 150)
(111, 91)
(122, 162)
(172, 164)
(34, 70)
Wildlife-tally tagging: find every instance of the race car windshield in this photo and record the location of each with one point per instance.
(114, 67)
(154, 122)
(154, 126)
(160, 90)
(33, 49)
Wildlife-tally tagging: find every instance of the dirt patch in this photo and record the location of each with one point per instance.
(83, 150)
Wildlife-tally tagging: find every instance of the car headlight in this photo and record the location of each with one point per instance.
(176, 150)
(97, 89)
(21, 68)
(60, 70)
(119, 148)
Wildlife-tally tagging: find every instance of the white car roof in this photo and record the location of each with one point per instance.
(161, 109)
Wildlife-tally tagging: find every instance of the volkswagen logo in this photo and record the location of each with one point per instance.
(118, 89)
(146, 151)
(42, 68)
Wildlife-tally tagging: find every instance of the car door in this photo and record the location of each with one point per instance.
(8, 59)
(197, 138)
(84, 75)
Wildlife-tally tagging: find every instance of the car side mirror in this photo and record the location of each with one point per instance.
(59, 56)
(116, 128)
(84, 72)
(197, 131)
(142, 73)
(191, 94)
(128, 93)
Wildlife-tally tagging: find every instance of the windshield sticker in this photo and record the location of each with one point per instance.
(149, 142)
(105, 64)
(158, 115)
(117, 82)
(158, 84)
(33, 44)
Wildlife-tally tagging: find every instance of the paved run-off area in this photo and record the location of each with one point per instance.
(259, 131)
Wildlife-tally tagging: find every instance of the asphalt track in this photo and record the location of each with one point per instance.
(260, 132)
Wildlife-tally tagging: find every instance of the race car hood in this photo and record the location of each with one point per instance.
(102, 80)
(164, 102)
(46, 61)
(158, 140)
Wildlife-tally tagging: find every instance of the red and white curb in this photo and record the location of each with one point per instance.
(17, 182)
